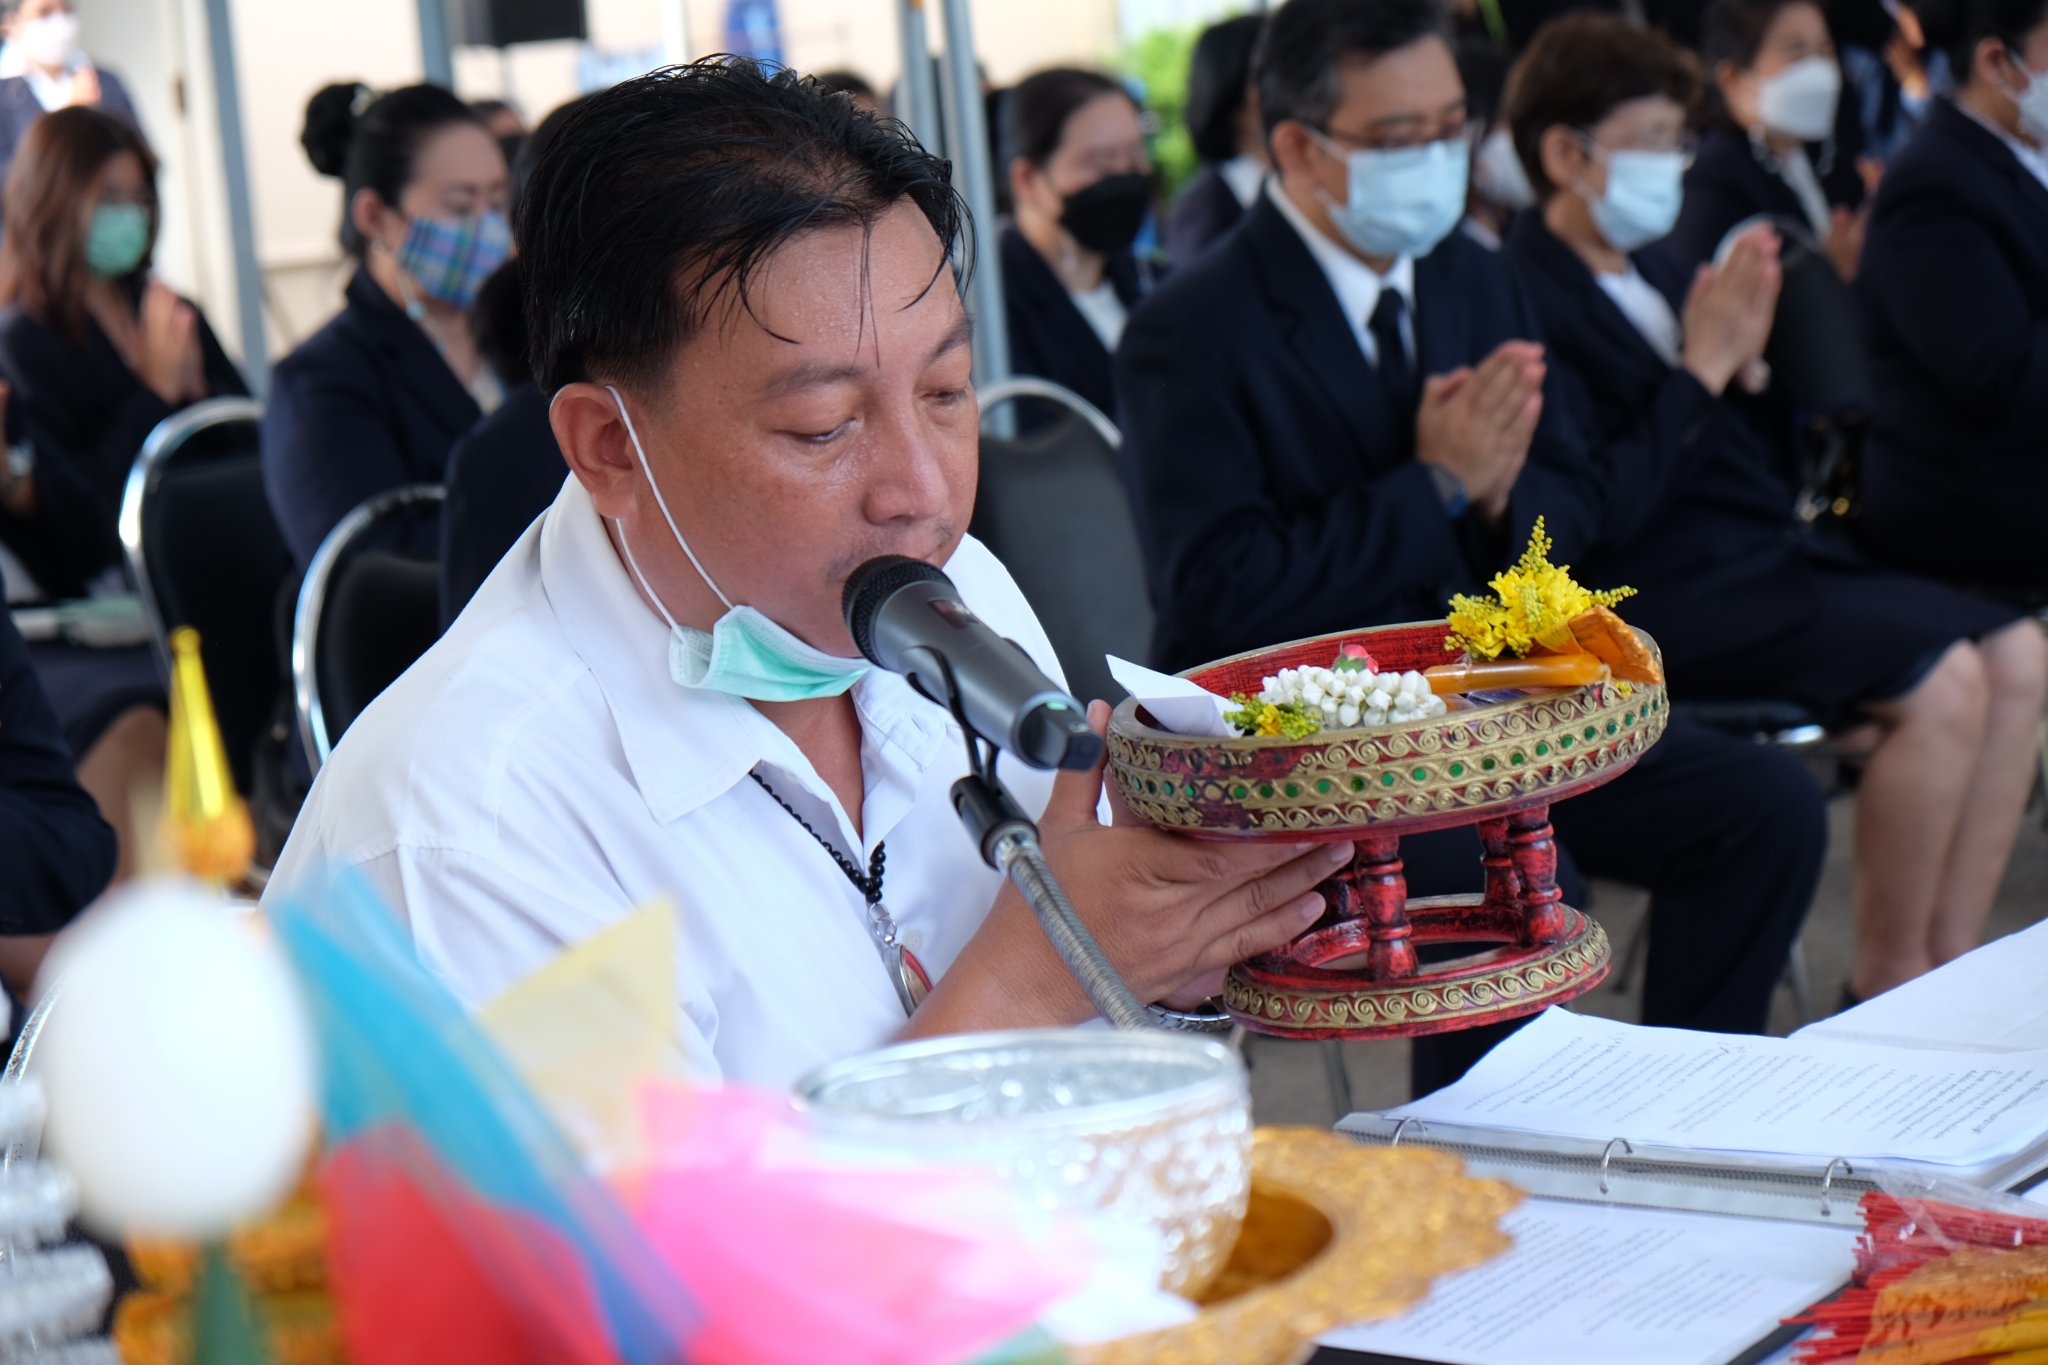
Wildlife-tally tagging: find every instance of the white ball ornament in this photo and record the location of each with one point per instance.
(178, 1061)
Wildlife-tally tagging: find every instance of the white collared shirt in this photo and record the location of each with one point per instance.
(1647, 310)
(51, 92)
(1356, 284)
(2033, 158)
(537, 776)
(1244, 176)
(1800, 178)
(1103, 311)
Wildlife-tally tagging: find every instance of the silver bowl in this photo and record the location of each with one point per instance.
(1152, 1128)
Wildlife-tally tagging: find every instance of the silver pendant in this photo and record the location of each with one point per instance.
(913, 983)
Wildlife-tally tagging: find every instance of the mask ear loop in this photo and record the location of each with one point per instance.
(640, 453)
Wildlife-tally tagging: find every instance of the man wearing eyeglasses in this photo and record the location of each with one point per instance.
(1342, 414)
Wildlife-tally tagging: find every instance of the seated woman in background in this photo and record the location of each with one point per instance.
(1955, 291)
(1893, 75)
(1779, 150)
(375, 399)
(1223, 120)
(95, 352)
(1083, 184)
(1744, 606)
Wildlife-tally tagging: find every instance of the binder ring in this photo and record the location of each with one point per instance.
(1401, 1128)
(1607, 1156)
(1827, 1183)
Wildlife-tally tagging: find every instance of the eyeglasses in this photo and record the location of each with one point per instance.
(1687, 145)
(1449, 131)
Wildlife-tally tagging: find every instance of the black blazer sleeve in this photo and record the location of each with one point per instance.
(327, 445)
(1959, 310)
(56, 853)
(1216, 537)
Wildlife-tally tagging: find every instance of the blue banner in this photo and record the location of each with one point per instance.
(753, 29)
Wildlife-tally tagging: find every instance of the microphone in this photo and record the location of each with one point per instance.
(905, 616)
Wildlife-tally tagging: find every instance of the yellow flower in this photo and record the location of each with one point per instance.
(1535, 603)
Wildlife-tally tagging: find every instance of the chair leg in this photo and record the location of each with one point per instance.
(1800, 982)
(1340, 1077)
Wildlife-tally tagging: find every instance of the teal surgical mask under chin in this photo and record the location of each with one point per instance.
(744, 654)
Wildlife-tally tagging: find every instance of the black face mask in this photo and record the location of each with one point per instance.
(1106, 216)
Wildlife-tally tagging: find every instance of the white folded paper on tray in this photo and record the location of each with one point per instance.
(1175, 703)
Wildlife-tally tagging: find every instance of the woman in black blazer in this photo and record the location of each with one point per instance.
(1955, 289)
(1223, 120)
(1787, 146)
(376, 398)
(94, 354)
(1083, 184)
(1744, 604)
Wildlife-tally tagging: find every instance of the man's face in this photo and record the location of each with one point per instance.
(1405, 98)
(833, 421)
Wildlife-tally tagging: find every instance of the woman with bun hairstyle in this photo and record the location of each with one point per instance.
(1955, 290)
(376, 398)
(94, 352)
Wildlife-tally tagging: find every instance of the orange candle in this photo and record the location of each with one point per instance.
(1544, 670)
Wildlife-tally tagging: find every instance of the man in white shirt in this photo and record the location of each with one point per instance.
(744, 304)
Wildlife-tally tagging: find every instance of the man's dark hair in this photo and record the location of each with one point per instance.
(844, 82)
(1955, 27)
(1308, 41)
(663, 194)
(1219, 79)
(1579, 70)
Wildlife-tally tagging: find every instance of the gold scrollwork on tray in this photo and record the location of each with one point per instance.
(1377, 777)
(1360, 1004)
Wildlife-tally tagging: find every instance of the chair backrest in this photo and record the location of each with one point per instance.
(365, 614)
(205, 551)
(1053, 510)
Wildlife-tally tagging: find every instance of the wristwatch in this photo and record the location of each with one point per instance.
(1209, 1018)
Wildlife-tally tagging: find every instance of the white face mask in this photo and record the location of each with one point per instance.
(1644, 193)
(745, 654)
(1497, 173)
(1404, 201)
(51, 42)
(1800, 100)
(2032, 103)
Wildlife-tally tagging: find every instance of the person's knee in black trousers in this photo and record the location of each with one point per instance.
(1728, 837)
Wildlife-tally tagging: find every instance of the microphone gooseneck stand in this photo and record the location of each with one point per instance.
(1008, 841)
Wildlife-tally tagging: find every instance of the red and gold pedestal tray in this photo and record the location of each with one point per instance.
(1496, 765)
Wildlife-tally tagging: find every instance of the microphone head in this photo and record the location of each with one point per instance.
(873, 584)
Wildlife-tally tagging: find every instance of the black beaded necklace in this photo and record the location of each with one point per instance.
(912, 981)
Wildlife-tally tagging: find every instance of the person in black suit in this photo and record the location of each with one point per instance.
(94, 353)
(1955, 288)
(1223, 121)
(1786, 144)
(1336, 419)
(1082, 183)
(1746, 605)
(507, 468)
(376, 398)
(43, 69)
(56, 853)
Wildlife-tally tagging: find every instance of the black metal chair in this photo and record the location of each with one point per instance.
(204, 550)
(365, 614)
(1052, 509)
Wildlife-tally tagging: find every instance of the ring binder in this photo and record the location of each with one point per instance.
(1401, 1128)
(1828, 1182)
(1608, 1155)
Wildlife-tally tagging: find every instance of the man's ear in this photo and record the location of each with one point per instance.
(595, 443)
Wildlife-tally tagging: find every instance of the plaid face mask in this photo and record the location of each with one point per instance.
(451, 258)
